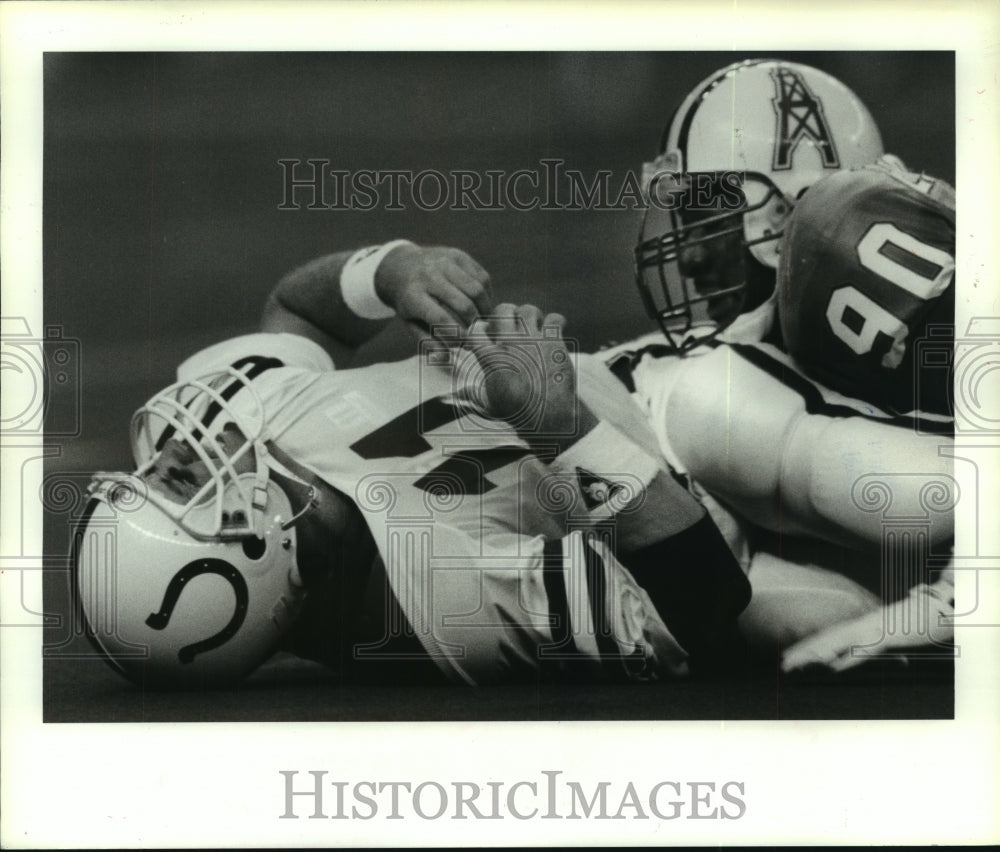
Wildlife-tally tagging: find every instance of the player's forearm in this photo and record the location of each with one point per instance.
(309, 301)
(343, 300)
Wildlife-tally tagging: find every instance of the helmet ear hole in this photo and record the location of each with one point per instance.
(254, 548)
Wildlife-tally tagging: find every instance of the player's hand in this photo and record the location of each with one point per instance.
(915, 622)
(437, 290)
(528, 377)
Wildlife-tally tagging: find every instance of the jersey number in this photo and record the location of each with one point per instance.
(922, 270)
(404, 436)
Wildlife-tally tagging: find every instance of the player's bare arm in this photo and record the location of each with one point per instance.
(342, 300)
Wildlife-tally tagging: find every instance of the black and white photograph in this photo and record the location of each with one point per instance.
(596, 437)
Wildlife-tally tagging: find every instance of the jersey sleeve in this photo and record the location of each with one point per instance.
(769, 444)
(866, 282)
(291, 350)
(501, 607)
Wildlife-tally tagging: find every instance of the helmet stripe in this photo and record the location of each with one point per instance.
(688, 120)
(258, 366)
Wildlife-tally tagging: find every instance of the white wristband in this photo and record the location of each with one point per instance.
(610, 470)
(357, 281)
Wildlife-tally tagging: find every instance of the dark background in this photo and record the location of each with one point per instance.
(163, 233)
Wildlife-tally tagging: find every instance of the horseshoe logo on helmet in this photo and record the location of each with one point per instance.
(159, 620)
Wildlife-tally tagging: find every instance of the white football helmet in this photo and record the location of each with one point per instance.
(193, 588)
(780, 126)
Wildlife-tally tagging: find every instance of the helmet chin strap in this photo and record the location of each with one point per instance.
(312, 502)
(295, 480)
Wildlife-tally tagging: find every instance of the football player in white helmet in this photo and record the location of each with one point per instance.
(417, 516)
(800, 432)
(780, 127)
(811, 343)
(815, 413)
(204, 512)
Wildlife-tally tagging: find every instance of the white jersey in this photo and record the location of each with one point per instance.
(492, 555)
(784, 452)
(813, 489)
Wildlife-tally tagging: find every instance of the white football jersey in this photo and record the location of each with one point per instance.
(770, 451)
(492, 556)
(781, 450)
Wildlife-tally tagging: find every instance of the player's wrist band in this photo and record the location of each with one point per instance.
(357, 281)
(606, 454)
(606, 451)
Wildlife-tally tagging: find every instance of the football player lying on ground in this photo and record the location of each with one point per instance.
(417, 520)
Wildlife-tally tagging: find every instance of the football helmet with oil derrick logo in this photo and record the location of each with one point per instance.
(708, 254)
